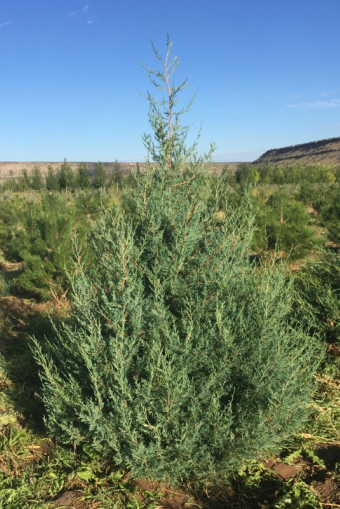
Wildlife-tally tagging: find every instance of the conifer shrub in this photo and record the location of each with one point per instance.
(331, 216)
(13, 212)
(44, 243)
(116, 177)
(4, 286)
(284, 224)
(83, 180)
(100, 177)
(66, 177)
(90, 203)
(178, 361)
(51, 180)
(37, 182)
(317, 295)
(24, 180)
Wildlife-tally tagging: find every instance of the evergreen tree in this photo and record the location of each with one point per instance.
(11, 183)
(83, 179)
(24, 180)
(117, 175)
(100, 177)
(229, 175)
(317, 296)
(52, 183)
(247, 174)
(66, 176)
(12, 214)
(91, 203)
(44, 245)
(331, 216)
(179, 360)
(283, 224)
(37, 182)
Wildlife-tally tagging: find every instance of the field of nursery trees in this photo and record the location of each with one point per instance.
(170, 335)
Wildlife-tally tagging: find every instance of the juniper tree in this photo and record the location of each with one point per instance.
(167, 143)
(178, 361)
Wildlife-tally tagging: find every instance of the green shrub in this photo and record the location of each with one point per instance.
(178, 361)
(100, 177)
(317, 299)
(44, 243)
(12, 213)
(51, 179)
(283, 224)
(331, 216)
(38, 230)
(37, 182)
(4, 286)
(83, 180)
(66, 177)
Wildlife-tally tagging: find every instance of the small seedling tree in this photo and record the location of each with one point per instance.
(83, 179)
(66, 177)
(283, 223)
(44, 243)
(100, 177)
(117, 175)
(317, 299)
(37, 182)
(52, 183)
(178, 361)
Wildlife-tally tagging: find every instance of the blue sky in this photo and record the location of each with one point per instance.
(268, 73)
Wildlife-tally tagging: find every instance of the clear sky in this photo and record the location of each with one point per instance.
(268, 73)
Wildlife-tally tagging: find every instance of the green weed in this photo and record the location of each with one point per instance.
(297, 495)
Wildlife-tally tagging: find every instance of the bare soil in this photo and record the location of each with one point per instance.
(72, 500)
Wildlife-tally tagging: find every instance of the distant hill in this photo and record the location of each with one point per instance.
(315, 152)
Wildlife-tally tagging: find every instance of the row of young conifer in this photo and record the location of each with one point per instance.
(245, 175)
(64, 178)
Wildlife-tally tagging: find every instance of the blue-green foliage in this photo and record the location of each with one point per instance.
(178, 361)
